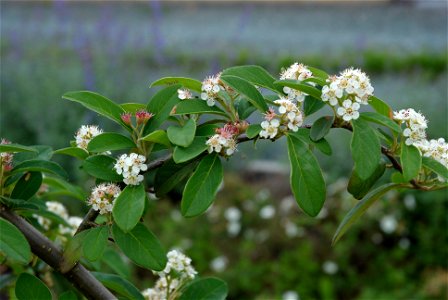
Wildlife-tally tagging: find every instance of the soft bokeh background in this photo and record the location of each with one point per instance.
(254, 237)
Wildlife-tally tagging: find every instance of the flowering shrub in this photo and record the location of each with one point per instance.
(170, 144)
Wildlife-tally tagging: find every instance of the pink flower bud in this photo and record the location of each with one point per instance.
(126, 118)
(143, 116)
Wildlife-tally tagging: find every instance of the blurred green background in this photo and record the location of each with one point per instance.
(254, 237)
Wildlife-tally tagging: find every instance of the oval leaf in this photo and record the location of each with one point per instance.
(29, 287)
(358, 187)
(161, 105)
(297, 85)
(188, 83)
(27, 186)
(411, 161)
(205, 289)
(97, 103)
(307, 182)
(183, 154)
(132, 107)
(171, 174)
(95, 243)
(381, 107)
(141, 246)
(182, 136)
(201, 188)
(254, 74)
(13, 243)
(247, 90)
(119, 285)
(321, 127)
(109, 141)
(197, 107)
(73, 151)
(38, 165)
(253, 130)
(101, 167)
(129, 206)
(366, 148)
(435, 166)
(356, 212)
(312, 105)
(158, 137)
(15, 148)
(382, 120)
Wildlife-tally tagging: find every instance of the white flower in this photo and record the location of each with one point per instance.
(357, 84)
(85, 134)
(349, 110)
(233, 228)
(218, 142)
(103, 197)
(270, 129)
(296, 72)
(388, 224)
(219, 264)
(180, 263)
(232, 214)
(290, 295)
(56, 208)
(74, 223)
(414, 137)
(184, 94)
(332, 93)
(130, 167)
(416, 125)
(286, 106)
(330, 267)
(267, 212)
(295, 121)
(210, 89)
(294, 95)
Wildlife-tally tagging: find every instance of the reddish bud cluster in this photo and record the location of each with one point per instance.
(141, 116)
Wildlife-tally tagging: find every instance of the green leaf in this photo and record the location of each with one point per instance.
(435, 166)
(307, 182)
(182, 136)
(366, 148)
(171, 174)
(188, 83)
(95, 243)
(141, 246)
(323, 146)
(101, 167)
(312, 105)
(18, 204)
(157, 137)
(183, 154)
(297, 85)
(358, 187)
(99, 104)
(382, 120)
(112, 258)
(119, 285)
(109, 141)
(206, 129)
(197, 107)
(161, 105)
(27, 186)
(244, 108)
(73, 151)
(40, 166)
(12, 148)
(356, 212)
(321, 127)
(61, 187)
(68, 295)
(73, 251)
(42, 152)
(253, 130)
(129, 206)
(318, 73)
(247, 90)
(13, 243)
(133, 107)
(411, 161)
(254, 74)
(201, 188)
(205, 289)
(381, 107)
(29, 287)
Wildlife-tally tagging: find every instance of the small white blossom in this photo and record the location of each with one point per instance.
(388, 224)
(270, 129)
(332, 93)
(184, 94)
(130, 166)
(74, 223)
(232, 214)
(219, 264)
(85, 134)
(210, 89)
(415, 125)
(349, 110)
(103, 197)
(290, 295)
(330, 267)
(267, 212)
(180, 263)
(56, 208)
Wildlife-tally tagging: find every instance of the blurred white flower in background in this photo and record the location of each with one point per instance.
(219, 264)
(330, 267)
(267, 212)
(388, 224)
(410, 202)
(290, 295)
(232, 214)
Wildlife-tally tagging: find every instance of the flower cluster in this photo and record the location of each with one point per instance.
(211, 86)
(289, 116)
(295, 72)
(141, 117)
(183, 94)
(6, 157)
(178, 271)
(85, 134)
(130, 166)
(415, 123)
(103, 197)
(59, 210)
(350, 89)
(224, 140)
(436, 149)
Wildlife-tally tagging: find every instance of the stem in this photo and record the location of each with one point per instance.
(46, 250)
(88, 220)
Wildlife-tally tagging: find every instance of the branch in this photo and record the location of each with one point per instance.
(46, 250)
(88, 220)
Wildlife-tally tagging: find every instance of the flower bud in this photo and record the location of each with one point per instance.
(126, 118)
(143, 116)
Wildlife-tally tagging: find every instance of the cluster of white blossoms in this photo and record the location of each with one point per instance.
(130, 166)
(349, 90)
(85, 134)
(415, 123)
(436, 149)
(6, 157)
(289, 115)
(295, 72)
(210, 88)
(178, 271)
(223, 141)
(183, 94)
(59, 210)
(103, 197)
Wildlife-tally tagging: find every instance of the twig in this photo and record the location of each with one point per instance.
(46, 250)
